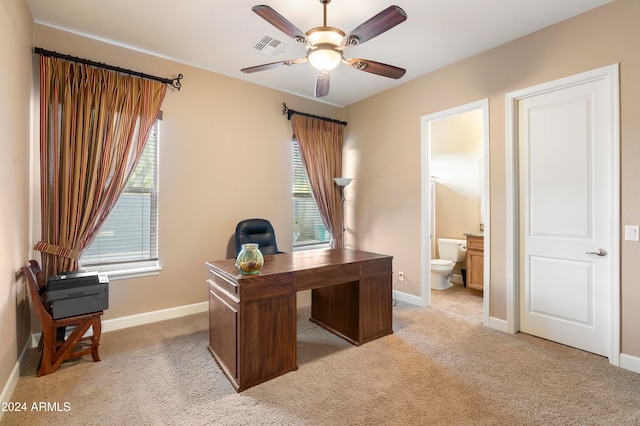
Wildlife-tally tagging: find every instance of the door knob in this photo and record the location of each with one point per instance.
(600, 252)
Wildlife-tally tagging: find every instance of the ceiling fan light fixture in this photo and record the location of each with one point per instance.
(325, 35)
(325, 57)
(323, 51)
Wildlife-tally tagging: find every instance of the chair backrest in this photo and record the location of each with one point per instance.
(35, 282)
(259, 231)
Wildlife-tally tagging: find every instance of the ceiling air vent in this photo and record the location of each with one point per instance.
(270, 46)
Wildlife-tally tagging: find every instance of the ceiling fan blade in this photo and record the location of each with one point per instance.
(279, 21)
(377, 68)
(376, 25)
(322, 84)
(272, 65)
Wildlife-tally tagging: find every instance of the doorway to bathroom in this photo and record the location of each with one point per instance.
(455, 205)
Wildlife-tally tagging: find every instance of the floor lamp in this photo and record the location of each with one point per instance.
(342, 182)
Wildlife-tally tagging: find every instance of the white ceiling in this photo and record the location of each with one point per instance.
(218, 35)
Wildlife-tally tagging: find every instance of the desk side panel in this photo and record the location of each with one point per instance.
(267, 329)
(223, 331)
(336, 309)
(375, 299)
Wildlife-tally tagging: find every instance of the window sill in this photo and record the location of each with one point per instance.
(312, 247)
(125, 271)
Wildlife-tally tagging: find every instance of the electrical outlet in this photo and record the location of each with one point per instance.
(400, 276)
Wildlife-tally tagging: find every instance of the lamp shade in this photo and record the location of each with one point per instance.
(342, 181)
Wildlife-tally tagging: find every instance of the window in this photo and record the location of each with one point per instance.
(308, 227)
(128, 239)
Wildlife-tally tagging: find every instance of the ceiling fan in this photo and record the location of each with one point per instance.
(325, 44)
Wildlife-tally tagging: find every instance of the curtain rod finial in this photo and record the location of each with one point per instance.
(286, 110)
(175, 82)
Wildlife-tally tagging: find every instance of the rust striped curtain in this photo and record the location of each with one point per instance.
(93, 127)
(320, 144)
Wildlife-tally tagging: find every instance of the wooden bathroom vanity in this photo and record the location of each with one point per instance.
(475, 261)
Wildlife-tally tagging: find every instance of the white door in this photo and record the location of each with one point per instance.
(565, 184)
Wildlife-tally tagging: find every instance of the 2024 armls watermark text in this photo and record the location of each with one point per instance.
(40, 406)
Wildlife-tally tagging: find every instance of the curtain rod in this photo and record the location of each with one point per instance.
(173, 82)
(290, 112)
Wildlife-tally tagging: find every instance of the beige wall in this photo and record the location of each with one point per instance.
(224, 156)
(15, 69)
(456, 155)
(384, 135)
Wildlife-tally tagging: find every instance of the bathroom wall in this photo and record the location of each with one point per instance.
(456, 163)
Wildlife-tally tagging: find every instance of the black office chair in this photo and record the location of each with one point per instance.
(259, 231)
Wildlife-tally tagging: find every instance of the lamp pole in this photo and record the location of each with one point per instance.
(342, 182)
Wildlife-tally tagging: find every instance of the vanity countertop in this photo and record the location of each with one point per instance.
(474, 234)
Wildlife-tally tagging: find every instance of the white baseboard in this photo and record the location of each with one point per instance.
(11, 383)
(629, 362)
(498, 324)
(407, 298)
(144, 318)
(154, 316)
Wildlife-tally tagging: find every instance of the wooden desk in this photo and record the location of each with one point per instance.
(252, 318)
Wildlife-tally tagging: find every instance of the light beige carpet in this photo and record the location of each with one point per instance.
(437, 368)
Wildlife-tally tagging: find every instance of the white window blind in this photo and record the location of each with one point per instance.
(130, 233)
(308, 227)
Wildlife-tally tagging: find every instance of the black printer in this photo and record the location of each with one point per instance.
(77, 293)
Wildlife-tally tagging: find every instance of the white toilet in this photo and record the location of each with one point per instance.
(451, 251)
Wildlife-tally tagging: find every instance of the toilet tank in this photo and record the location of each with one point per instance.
(451, 249)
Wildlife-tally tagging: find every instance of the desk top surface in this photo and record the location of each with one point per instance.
(298, 261)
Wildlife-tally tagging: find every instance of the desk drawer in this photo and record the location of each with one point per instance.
(223, 283)
(326, 276)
